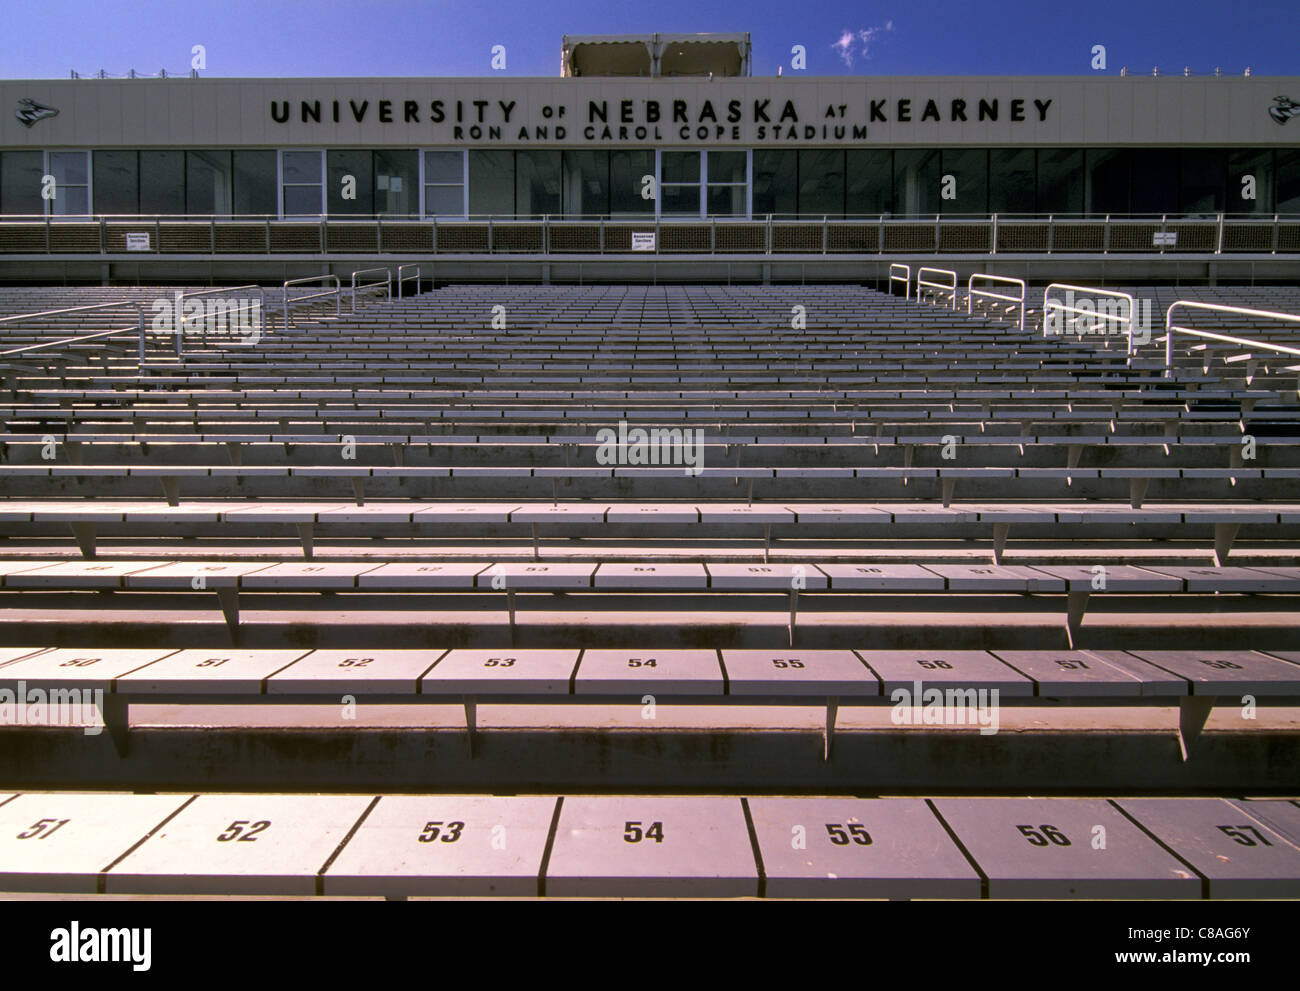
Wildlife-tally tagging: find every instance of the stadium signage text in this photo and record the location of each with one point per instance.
(601, 120)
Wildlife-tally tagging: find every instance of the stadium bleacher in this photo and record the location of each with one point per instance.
(414, 505)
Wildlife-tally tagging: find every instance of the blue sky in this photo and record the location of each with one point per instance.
(47, 38)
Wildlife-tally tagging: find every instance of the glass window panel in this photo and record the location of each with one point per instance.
(117, 182)
(680, 166)
(1011, 180)
(162, 182)
(444, 166)
(1155, 181)
(300, 166)
(254, 182)
(20, 182)
(1107, 177)
(1259, 165)
(775, 181)
(491, 183)
(302, 201)
(627, 170)
(358, 164)
(727, 201)
(537, 183)
(680, 200)
(71, 201)
(444, 201)
(727, 166)
(207, 182)
(969, 167)
(870, 181)
(586, 183)
(1060, 180)
(397, 177)
(916, 181)
(821, 183)
(69, 167)
(1288, 182)
(1203, 173)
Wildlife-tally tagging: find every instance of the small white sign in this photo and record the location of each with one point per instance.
(1164, 239)
(643, 240)
(137, 242)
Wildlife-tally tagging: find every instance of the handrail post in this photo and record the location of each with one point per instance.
(1169, 342)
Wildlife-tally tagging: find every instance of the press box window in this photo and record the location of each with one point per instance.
(444, 184)
(397, 182)
(679, 183)
(727, 183)
(71, 172)
(301, 187)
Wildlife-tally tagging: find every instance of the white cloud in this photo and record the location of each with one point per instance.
(851, 44)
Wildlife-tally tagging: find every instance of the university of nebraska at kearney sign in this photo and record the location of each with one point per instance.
(652, 120)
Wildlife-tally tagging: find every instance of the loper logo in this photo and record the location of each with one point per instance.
(1286, 109)
(29, 112)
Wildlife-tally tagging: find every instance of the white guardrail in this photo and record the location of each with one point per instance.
(1092, 311)
(1002, 280)
(905, 278)
(936, 287)
(1171, 329)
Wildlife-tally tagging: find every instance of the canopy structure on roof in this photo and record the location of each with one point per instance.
(656, 55)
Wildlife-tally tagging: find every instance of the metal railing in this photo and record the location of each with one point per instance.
(905, 278)
(936, 288)
(775, 235)
(402, 278)
(387, 283)
(181, 297)
(1170, 329)
(139, 327)
(1093, 313)
(1002, 280)
(336, 292)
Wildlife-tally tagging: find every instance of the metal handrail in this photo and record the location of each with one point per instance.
(905, 278)
(1057, 307)
(922, 281)
(387, 283)
(336, 292)
(972, 292)
(1170, 329)
(1217, 231)
(401, 278)
(118, 218)
(139, 308)
(65, 340)
(181, 297)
